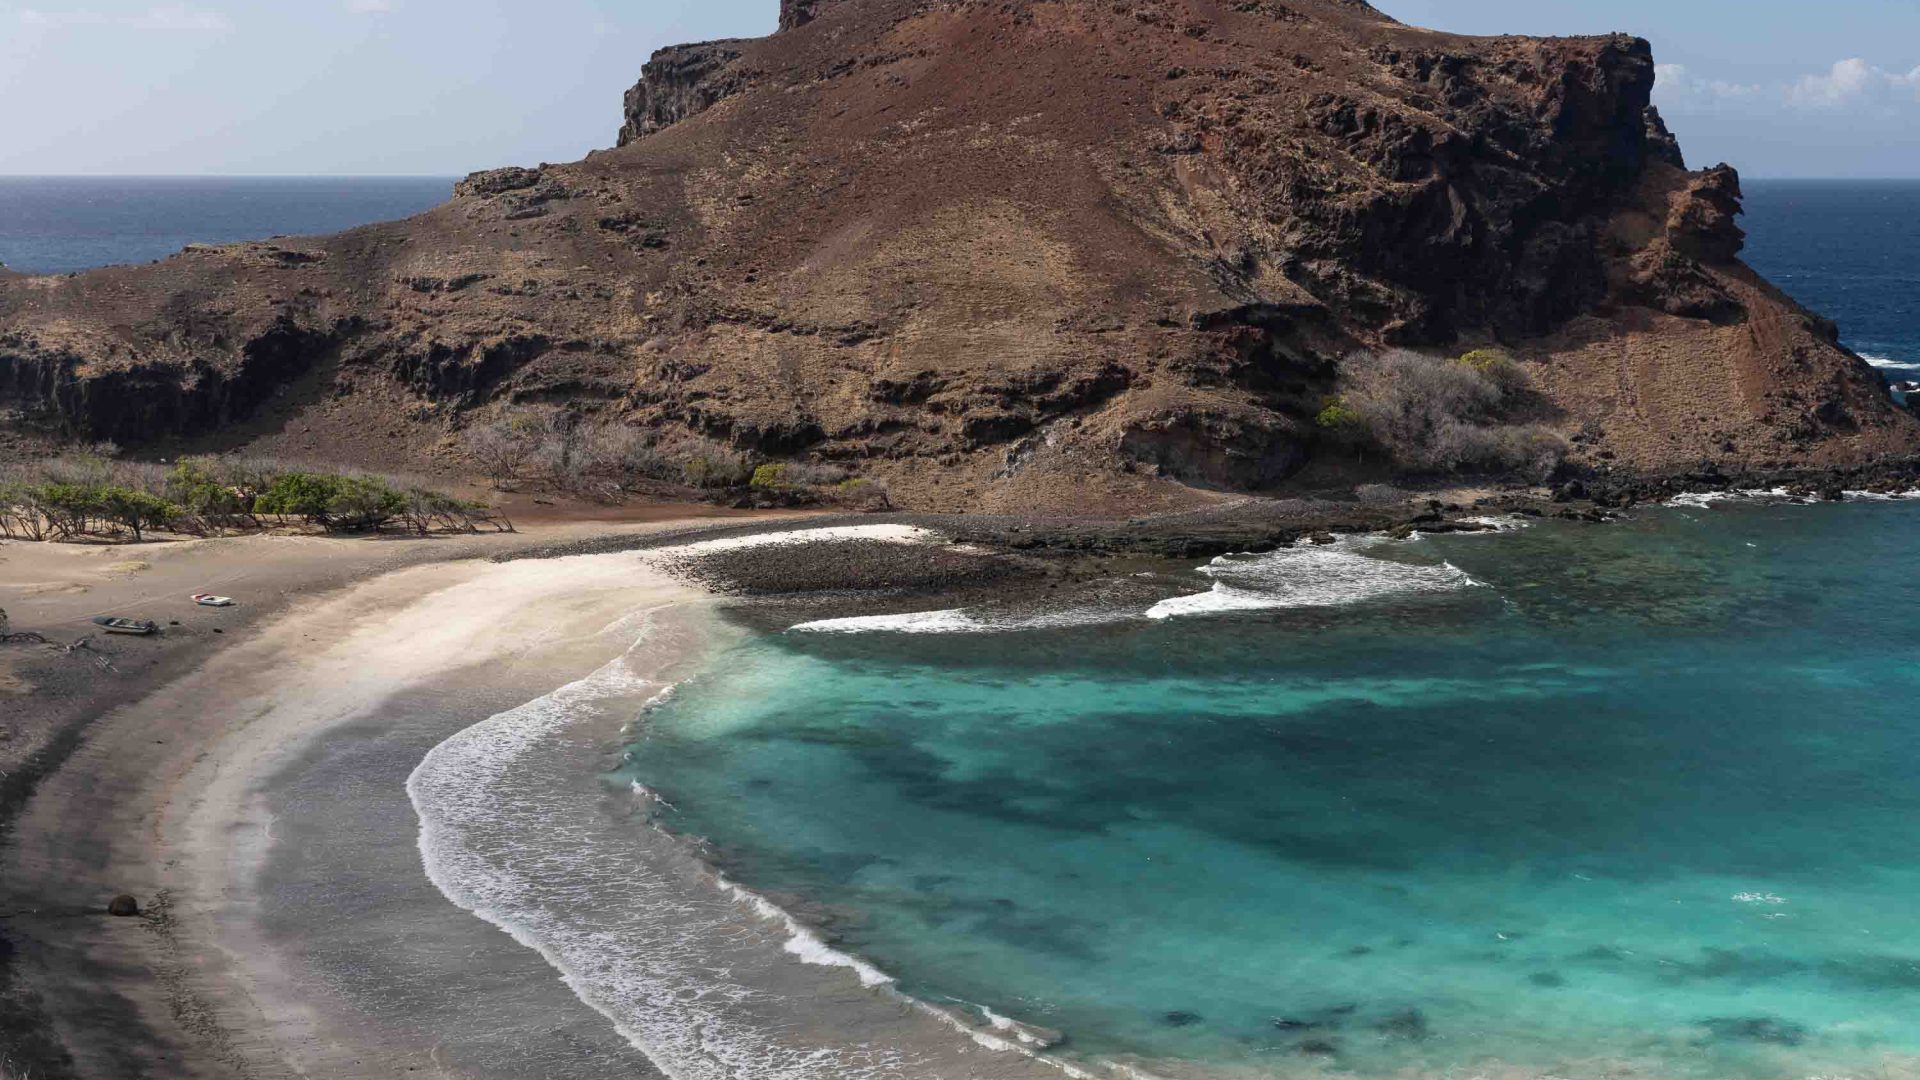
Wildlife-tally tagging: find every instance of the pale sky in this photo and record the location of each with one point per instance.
(447, 86)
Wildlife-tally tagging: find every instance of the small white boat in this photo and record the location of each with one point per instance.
(210, 600)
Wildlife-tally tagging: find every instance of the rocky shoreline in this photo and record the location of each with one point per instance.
(1038, 548)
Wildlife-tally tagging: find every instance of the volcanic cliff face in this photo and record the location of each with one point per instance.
(1012, 254)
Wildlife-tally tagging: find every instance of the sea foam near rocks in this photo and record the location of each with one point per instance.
(1310, 576)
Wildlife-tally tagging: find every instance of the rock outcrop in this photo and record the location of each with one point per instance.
(1123, 264)
(680, 82)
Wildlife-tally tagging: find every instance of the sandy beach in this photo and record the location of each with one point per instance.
(252, 792)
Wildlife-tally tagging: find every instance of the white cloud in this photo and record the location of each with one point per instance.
(1855, 82)
(1679, 89)
(369, 7)
(171, 17)
(1848, 84)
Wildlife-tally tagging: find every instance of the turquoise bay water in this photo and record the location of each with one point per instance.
(1644, 795)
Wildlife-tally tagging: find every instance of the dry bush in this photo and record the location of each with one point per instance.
(1434, 415)
(712, 466)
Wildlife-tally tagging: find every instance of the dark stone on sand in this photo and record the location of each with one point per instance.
(1548, 979)
(1319, 1048)
(123, 906)
(1181, 1018)
(1755, 1029)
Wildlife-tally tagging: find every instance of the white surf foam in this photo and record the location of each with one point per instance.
(637, 948)
(954, 621)
(890, 534)
(1890, 362)
(1502, 524)
(1301, 576)
(962, 621)
(678, 958)
(1308, 576)
(1703, 500)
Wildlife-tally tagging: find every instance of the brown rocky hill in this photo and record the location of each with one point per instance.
(1071, 254)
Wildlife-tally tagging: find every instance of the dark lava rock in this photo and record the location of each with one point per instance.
(1549, 979)
(1181, 1018)
(123, 907)
(1319, 1048)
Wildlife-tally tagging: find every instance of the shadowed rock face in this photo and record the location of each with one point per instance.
(1011, 255)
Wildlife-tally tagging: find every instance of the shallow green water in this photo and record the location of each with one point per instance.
(1644, 793)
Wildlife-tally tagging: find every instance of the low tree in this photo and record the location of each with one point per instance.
(137, 511)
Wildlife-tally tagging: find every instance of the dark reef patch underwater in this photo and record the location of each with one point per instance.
(1639, 794)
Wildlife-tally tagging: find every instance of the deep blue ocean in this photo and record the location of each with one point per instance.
(56, 225)
(1845, 249)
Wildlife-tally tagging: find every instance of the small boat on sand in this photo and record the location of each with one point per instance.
(126, 626)
(210, 600)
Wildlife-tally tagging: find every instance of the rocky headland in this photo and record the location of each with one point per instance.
(1014, 257)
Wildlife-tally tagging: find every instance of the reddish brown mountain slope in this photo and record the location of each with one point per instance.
(1008, 255)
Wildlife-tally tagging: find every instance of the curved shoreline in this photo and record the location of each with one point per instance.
(711, 981)
(289, 929)
(167, 790)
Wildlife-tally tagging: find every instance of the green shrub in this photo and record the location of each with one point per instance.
(1499, 368)
(770, 475)
(1337, 415)
(137, 511)
(298, 494)
(197, 486)
(70, 508)
(87, 495)
(362, 504)
(333, 502)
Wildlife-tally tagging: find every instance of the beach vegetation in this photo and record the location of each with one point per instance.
(1430, 415)
(89, 496)
(605, 458)
(799, 483)
(715, 467)
(1336, 415)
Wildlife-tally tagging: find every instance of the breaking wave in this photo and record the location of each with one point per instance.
(687, 965)
(643, 940)
(1311, 576)
(1296, 577)
(961, 621)
(1889, 362)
